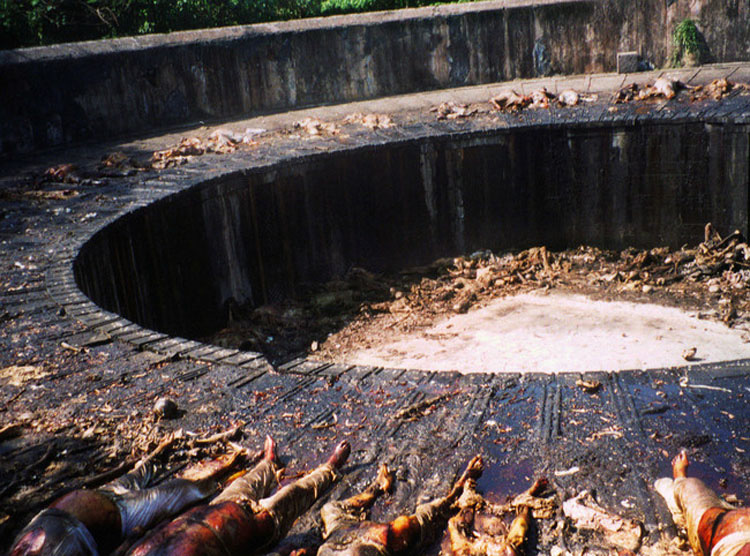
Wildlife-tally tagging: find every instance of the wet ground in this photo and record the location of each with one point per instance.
(78, 385)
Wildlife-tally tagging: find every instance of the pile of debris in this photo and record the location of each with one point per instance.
(508, 100)
(45, 185)
(221, 141)
(665, 88)
(370, 121)
(315, 127)
(712, 278)
(453, 111)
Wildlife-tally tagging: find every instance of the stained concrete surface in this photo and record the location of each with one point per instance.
(104, 372)
(554, 332)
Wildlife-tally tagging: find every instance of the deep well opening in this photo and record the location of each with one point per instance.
(258, 236)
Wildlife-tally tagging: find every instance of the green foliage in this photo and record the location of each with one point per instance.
(329, 7)
(38, 22)
(349, 6)
(687, 41)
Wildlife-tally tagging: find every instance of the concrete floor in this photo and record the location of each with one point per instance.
(552, 332)
(88, 368)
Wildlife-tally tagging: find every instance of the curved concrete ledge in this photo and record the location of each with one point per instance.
(254, 232)
(63, 94)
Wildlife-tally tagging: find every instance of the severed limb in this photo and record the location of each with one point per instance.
(347, 535)
(464, 542)
(714, 527)
(410, 532)
(406, 533)
(519, 529)
(493, 539)
(541, 507)
(353, 509)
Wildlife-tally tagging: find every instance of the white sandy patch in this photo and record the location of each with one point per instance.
(559, 332)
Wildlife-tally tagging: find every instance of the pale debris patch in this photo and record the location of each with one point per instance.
(537, 332)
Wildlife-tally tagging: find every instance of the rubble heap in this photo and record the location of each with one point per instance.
(712, 278)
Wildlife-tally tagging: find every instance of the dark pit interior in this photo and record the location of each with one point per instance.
(256, 235)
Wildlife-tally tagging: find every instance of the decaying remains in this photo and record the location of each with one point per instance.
(713, 526)
(90, 522)
(666, 88)
(243, 518)
(614, 530)
(508, 100)
(479, 529)
(348, 533)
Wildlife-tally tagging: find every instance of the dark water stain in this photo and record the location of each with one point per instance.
(501, 480)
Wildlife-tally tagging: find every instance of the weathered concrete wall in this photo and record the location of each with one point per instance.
(255, 236)
(61, 94)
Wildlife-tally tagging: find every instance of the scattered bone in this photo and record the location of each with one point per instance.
(367, 307)
(568, 98)
(567, 472)
(220, 141)
(218, 437)
(717, 89)
(626, 94)
(590, 386)
(662, 88)
(509, 100)
(188, 147)
(453, 111)
(613, 431)
(689, 354)
(316, 127)
(540, 98)
(74, 348)
(685, 383)
(419, 409)
(587, 514)
(377, 121)
(710, 235)
(62, 173)
(370, 121)
(224, 141)
(118, 164)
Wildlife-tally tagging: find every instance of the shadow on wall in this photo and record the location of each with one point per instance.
(256, 236)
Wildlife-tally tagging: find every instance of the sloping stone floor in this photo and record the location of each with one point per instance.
(95, 365)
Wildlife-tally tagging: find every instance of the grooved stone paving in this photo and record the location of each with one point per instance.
(74, 373)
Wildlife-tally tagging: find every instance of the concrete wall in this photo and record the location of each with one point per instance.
(88, 91)
(256, 235)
